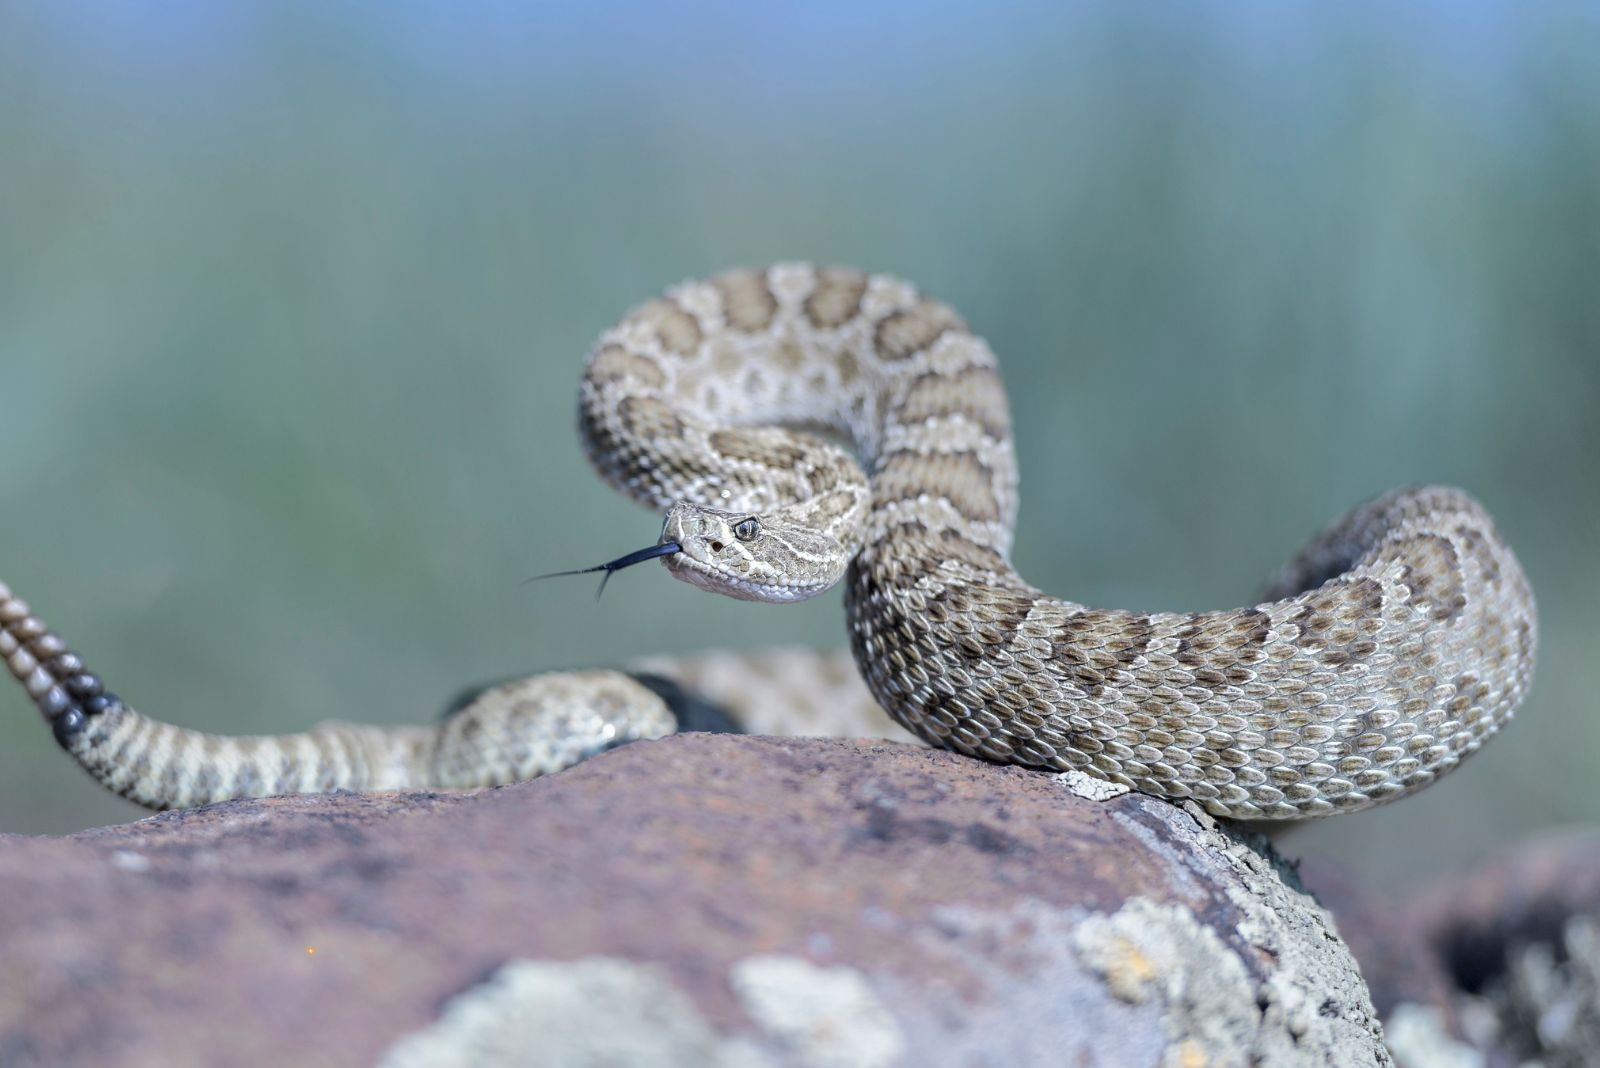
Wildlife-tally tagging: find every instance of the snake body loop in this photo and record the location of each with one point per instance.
(1388, 651)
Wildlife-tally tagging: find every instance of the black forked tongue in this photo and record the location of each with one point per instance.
(666, 548)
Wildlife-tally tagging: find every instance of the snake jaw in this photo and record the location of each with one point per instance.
(687, 569)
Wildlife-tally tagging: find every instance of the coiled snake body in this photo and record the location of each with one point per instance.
(1389, 650)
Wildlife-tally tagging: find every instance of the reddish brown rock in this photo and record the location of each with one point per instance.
(699, 900)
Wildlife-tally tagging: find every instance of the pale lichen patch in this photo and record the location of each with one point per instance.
(1151, 952)
(1089, 787)
(585, 1014)
(821, 1017)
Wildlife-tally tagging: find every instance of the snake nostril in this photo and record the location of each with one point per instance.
(716, 546)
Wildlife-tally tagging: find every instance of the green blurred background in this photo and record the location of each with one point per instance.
(293, 299)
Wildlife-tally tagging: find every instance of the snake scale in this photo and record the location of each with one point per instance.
(803, 426)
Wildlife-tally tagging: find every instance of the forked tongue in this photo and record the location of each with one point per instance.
(666, 548)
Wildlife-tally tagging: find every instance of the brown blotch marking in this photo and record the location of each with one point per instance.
(828, 507)
(1219, 641)
(1341, 603)
(1091, 647)
(952, 546)
(746, 481)
(676, 329)
(1432, 572)
(849, 367)
(204, 784)
(1478, 547)
(179, 760)
(999, 614)
(836, 299)
(1364, 597)
(747, 303)
(726, 357)
(885, 624)
(902, 334)
(1003, 613)
(935, 549)
(648, 418)
(765, 446)
(131, 743)
(829, 470)
(921, 558)
(246, 779)
(276, 763)
(958, 477)
(910, 531)
(613, 363)
(1470, 691)
(787, 355)
(976, 393)
(1353, 653)
(1335, 602)
(139, 767)
(330, 760)
(209, 745)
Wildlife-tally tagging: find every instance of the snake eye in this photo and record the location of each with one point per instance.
(747, 529)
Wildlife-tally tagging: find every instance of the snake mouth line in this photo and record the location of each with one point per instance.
(699, 573)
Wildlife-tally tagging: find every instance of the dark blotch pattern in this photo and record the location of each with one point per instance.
(902, 334)
(836, 298)
(1095, 648)
(747, 303)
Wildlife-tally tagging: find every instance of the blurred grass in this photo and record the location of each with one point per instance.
(293, 298)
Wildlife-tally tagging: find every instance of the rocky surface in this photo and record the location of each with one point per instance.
(702, 900)
(1501, 967)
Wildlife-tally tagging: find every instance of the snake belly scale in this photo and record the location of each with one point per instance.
(804, 426)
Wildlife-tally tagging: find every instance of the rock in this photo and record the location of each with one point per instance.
(702, 900)
(1397, 958)
(1502, 964)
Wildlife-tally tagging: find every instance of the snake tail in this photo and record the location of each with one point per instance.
(505, 733)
